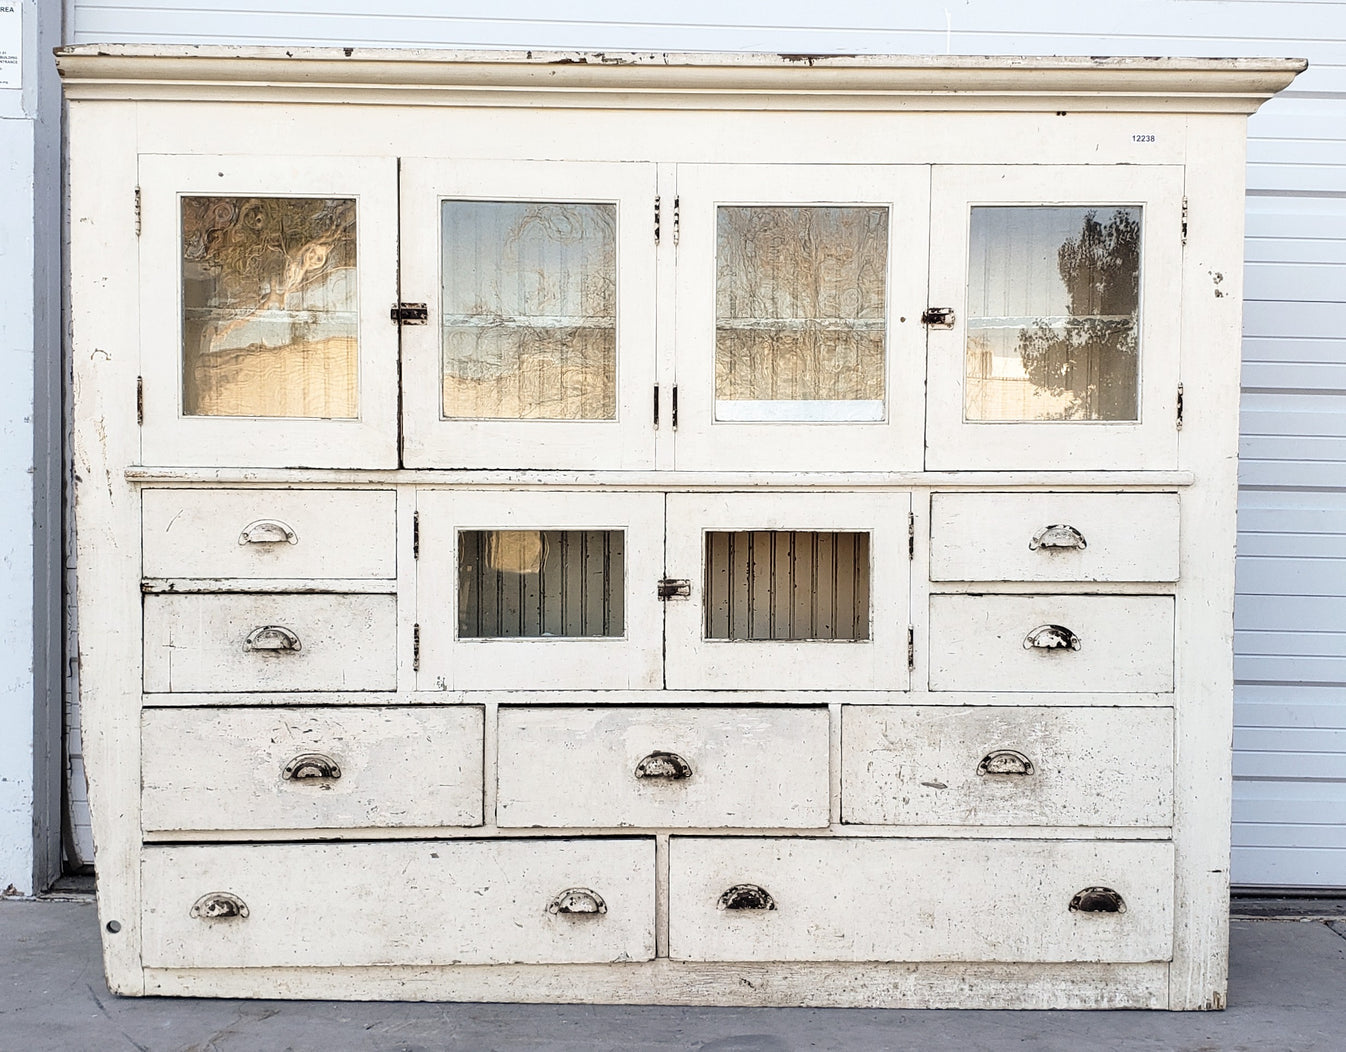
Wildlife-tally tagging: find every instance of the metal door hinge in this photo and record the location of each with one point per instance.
(1184, 220)
(656, 219)
(911, 535)
(656, 407)
(137, 206)
(1179, 422)
(415, 534)
(911, 648)
(673, 409)
(415, 648)
(409, 313)
(140, 401)
(674, 588)
(938, 317)
(677, 218)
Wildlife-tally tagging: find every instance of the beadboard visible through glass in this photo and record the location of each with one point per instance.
(269, 310)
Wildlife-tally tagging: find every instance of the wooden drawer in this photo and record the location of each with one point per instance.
(260, 533)
(840, 899)
(299, 642)
(978, 642)
(740, 767)
(1054, 537)
(422, 902)
(941, 765)
(310, 768)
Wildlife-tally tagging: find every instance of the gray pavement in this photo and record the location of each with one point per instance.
(1287, 994)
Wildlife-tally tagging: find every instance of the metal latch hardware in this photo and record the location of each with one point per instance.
(938, 317)
(409, 313)
(673, 588)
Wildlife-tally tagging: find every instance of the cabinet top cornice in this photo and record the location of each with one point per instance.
(645, 79)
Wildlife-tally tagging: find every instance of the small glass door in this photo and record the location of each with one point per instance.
(1063, 347)
(265, 338)
(537, 278)
(531, 590)
(798, 343)
(790, 591)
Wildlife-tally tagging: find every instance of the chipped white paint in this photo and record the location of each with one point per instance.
(996, 877)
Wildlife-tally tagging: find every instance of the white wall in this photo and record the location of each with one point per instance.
(1290, 766)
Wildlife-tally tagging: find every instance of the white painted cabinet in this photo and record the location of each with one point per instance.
(683, 529)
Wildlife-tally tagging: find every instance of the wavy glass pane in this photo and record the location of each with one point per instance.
(800, 312)
(786, 584)
(1053, 313)
(535, 583)
(269, 313)
(529, 310)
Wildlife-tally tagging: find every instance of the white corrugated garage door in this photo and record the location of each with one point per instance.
(1290, 709)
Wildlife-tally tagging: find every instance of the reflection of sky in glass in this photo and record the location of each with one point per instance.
(1012, 261)
(528, 310)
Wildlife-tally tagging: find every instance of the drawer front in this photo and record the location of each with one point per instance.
(1054, 537)
(311, 768)
(663, 767)
(940, 765)
(270, 642)
(893, 899)
(250, 534)
(978, 642)
(424, 902)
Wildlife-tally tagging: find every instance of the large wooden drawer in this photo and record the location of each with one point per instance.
(1006, 766)
(268, 533)
(251, 643)
(1054, 537)
(1014, 643)
(663, 767)
(311, 768)
(868, 899)
(408, 902)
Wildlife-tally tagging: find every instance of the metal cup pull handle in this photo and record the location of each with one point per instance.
(268, 531)
(1051, 637)
(1005, 761)
(667, 766)
(312, 767)
(274, 638)
(1097, 900)
(1061, 536)
(219, 905)
(746, 897)
(578, 901)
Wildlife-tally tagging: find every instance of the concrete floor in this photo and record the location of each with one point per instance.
(1287, 994)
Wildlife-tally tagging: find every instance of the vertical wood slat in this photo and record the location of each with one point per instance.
(786, 584)
(577, 589)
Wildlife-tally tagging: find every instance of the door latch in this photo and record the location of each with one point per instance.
(671, 588)
(409, 313)
(938, 317)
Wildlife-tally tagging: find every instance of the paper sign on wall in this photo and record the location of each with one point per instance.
(11, 44)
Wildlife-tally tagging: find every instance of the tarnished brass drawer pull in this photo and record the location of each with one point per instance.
(219, 905)
(746, 897)
(312, 766)
(268, 531)
(1097, 900)
(1057, 538)
(1051, 637)
(578, 901)
(276, 638)
(668, 766)
(1005, 761)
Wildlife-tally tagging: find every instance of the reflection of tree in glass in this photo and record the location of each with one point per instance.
(1091, 356)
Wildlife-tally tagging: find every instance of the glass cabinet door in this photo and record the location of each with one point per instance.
(531, 590)
(798, 343)
(538, 283)
(265, 338)
(1062, 351)
(790, 591)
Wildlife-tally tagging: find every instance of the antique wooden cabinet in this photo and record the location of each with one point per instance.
(677, 528)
